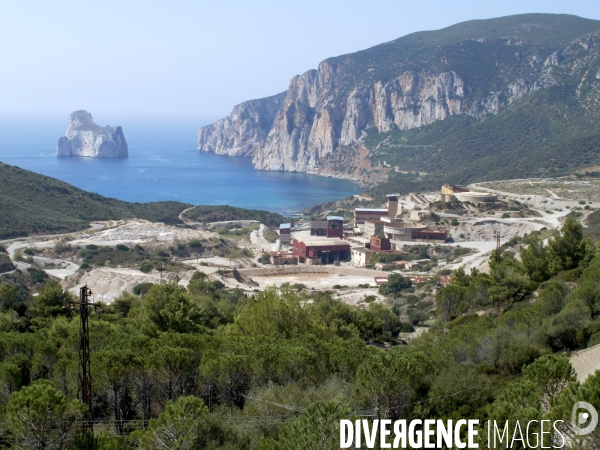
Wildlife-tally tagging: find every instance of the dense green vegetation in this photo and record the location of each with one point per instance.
(214, 368)
(209, 213)
(36, 204)
(6, 264)
(593, 226)
(548, 137)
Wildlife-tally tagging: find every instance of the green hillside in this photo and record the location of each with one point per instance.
(551, 128)
(484, 53)
(209, 213)
(36, 204)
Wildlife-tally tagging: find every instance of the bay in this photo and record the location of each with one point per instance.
(163, 164)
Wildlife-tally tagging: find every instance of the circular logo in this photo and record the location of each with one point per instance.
(579, 418)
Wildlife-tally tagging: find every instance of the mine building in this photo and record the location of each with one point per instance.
(283, 258)
(400, 231)
(379, 244)
(437, 237)
(361, 256)
(363, 214)
(332, 227)
(392, 205)
(455, 192)
(285, 233)
(373, 227)
(321, 250)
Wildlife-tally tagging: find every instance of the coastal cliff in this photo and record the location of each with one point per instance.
(474, 70)
(85, 138)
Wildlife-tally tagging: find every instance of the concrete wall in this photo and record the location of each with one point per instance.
(290, 270)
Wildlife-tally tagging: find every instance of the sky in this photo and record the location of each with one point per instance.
(199, 58)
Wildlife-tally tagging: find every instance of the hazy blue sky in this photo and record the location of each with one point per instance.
(200, 58)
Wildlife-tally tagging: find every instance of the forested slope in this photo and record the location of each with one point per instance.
(273, 371)
(36, 204)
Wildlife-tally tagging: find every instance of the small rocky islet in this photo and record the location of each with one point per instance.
(85, 138)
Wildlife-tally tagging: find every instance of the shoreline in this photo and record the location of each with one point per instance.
(360, 183)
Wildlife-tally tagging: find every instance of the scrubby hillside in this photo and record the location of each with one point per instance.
(209, 213)
(36, 204)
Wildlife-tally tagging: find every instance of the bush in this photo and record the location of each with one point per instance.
(122, 247)
(417, 316)
(396, 283)
(142, 289)
(62, 246)
(146, 267)
(265, 259)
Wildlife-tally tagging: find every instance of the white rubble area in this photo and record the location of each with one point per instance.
(108, 283)
(485, 229)
(138, 231)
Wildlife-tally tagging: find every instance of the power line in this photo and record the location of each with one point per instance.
(84, 390)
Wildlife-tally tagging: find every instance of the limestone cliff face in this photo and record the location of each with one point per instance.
(332, 107)
(85, 138)
(242, 132)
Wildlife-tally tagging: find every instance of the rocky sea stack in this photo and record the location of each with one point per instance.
(85, 138)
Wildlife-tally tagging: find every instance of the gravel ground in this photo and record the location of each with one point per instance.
(586, 362)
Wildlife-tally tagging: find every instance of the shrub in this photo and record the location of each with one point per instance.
(142, 289)
(62, 246)
(146, 267)
(396, 283)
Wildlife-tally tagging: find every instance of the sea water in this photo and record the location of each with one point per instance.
(163, 164)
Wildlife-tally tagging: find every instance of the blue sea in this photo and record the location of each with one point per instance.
(163, 164)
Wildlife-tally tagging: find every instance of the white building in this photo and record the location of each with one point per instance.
(360, 256)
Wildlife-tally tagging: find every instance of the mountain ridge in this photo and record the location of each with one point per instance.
(476, 69)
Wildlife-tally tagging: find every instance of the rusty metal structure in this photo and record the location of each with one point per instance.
(497, 234)
(84, 390)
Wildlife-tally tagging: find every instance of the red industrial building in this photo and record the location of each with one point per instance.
(316, 251)
(380, 244)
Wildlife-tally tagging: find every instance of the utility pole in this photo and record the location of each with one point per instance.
(497, 234)
(84, 390)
